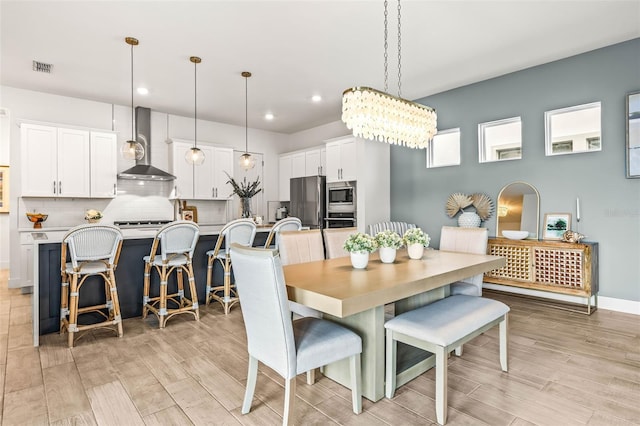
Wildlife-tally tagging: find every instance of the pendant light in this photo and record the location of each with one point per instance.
(132, 149)
(195, 155)
(247, 162)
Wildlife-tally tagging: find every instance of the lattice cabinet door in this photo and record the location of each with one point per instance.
(559, 267)
(519, 265)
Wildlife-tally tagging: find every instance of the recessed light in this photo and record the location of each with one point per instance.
(268, 116)
(316, 98)
(142, 91)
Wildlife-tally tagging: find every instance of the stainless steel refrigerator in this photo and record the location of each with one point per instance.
(307, 200)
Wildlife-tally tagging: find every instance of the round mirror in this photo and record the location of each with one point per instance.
(518, 209)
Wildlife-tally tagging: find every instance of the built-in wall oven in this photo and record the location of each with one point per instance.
(341, 205)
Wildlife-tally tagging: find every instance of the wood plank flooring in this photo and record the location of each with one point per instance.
(565, 369)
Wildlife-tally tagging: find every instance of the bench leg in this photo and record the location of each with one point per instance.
(503, 342)
(356, 383)
(441, 385)
(459, 350)
(390, 369)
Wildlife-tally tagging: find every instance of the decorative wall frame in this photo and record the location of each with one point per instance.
(632, 109)
(555, 224)
(4, 189)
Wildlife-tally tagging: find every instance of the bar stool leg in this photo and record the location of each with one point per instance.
(72, 327)
(64, 302)
(180, 287)
(192, 289)
(210, 263)
(227, 285)
(162, 311)
(145, 291)
(117, 318)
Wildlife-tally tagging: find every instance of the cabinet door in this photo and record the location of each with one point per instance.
(39, 160)
(26, 265)
(182, 170)
(348, 163)
(323, 161)
(298, 165)
(284, 177)
(223, 163)
(104, 165)
(203, 175)
(313, 164)
(333, 161)
(74, 163)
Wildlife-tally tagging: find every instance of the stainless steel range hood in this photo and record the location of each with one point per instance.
(143, 170)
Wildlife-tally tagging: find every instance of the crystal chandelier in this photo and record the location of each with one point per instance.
(376, 115)
(132, 149)
(195, 155)
(247, 162)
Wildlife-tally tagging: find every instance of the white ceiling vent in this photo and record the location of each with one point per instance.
(42, 67)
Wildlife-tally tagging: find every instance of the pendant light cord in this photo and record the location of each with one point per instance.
(386, 48)
(132, 111)
(246, 114)
(399, 53)
(195, 104)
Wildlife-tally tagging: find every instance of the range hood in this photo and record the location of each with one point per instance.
(143, 170)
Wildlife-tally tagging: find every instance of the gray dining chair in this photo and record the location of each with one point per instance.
(399, 227)
(288, 347)
(286, 224)
(465, 240)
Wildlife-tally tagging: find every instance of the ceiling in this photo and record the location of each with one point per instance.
(294, 49)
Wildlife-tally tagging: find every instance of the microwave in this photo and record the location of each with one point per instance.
(341, 195)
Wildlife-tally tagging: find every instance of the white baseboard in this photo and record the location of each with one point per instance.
(608, 303)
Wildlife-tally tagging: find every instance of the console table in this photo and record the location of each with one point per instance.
(553, 266)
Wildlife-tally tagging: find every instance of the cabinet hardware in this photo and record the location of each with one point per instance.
(54, 187)
(59, 187)
(115, 189)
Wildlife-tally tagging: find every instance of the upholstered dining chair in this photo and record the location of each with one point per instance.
(465, 240)
(241, 231)
(94, 251)
(334, 239)
(399, 227)
(288, 347)
(172, 251)
(286, 224)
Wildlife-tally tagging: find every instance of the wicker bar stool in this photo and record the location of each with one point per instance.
(94, 251)
(241, 231)
(176, 241)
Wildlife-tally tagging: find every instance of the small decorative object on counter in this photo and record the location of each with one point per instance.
(388, 243)
(572, 237)
(93, 216)
(458, 202)
(416, 240)
(359, 245)
(37, 219)
(245, 191)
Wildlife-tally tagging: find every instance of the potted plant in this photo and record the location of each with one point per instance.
(388, 243)
(416, 240)
(359, 245)
(245, 191)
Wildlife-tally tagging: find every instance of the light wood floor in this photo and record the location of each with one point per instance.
(565, 368)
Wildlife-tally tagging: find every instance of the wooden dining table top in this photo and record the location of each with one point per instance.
(334, 287)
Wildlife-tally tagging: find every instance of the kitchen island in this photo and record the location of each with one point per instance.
(129, 275)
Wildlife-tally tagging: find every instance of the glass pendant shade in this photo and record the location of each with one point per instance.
(132, 150)
(247, 162)
(194, 156)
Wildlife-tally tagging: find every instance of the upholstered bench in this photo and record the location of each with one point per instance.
(439, 328)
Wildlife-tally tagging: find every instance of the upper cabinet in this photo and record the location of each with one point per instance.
(206, 181)
(315, 162)
(55, 161)
(291, 165)
(341, 160)
(104, 164)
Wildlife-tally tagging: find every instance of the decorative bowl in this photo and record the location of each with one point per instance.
(37, 219)
(515, 235)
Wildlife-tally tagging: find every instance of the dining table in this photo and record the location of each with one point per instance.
(360, 298)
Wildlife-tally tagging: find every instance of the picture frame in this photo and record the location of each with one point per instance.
(632, 114)
(4, 189)
(189, 215)
(555, 224)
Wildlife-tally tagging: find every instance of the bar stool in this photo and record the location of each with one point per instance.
(286, 224)
(177, 241)
(94, 251)
(241, 231)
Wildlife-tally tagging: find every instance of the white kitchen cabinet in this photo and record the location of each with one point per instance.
(298, 167)
(206, 181)
(26, 265)
(55, 161)
(315, 162)
(284, 168)
(104, 164)
(341, 160)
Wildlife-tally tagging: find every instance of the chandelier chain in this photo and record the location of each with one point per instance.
(399, 53)
(386, 49)
(246, 114)
(195, 104)
(132, 110)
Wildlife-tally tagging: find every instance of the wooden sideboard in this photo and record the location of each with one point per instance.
(553, 266)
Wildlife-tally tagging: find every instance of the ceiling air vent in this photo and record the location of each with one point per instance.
(42, 67)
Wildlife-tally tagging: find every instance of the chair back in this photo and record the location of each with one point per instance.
(334, 239)
(301, 246)
(286, 224)
(178, 237)
(240, 231)
(86, 243)
(399, 227)
(466, 240)
(265, 307)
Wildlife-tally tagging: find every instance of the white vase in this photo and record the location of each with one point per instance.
(469, 220)
(387, 254)
(415, 250)
(359, 260)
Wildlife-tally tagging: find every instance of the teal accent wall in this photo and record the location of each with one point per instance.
(609, 203)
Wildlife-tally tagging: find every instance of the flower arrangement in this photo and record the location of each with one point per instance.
(93, 215)
(360, 242)
(244, 189)
(388, 238)
(416, 236)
